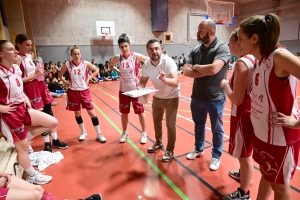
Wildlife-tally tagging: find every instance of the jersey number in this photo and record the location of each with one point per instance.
(18, 82)
(127, 65)
(77, 71)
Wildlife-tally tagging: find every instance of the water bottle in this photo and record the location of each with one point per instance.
(40, 65)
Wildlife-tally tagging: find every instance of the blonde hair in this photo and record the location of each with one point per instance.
(74, 47)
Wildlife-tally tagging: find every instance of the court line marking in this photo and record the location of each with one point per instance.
(115, 98)
(144, 156)
(298, 168)
(176, 160)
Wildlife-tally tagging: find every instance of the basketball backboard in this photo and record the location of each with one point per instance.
(221, 12)
(105, 27)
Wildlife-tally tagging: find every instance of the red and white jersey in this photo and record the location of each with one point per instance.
(11, 85)
(78, 75)
(128, 70)
(244, 107)
(272, 94)
(27, 66)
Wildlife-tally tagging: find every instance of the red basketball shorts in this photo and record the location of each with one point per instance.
(13, 125)
(124, 104)
(77, 98)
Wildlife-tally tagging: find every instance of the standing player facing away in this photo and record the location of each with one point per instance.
(276, 148)
(129, 71)
(14, 115)
(36, 90)
(78, 91)
(241, 130)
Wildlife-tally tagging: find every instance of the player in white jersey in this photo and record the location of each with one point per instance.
(241, 129)
(128, 68)
(78, 91)
(36, 90)
(14, 112)
(273, 104)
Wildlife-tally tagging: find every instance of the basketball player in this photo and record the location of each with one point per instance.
(78, 91)
(276, 148)
(241, 129)
(37, 91)
(128, 68)
(15, 114)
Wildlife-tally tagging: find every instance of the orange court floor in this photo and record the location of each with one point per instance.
(125, 170)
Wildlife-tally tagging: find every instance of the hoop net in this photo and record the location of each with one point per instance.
(220, 12)
(75, 2)
(106, 35)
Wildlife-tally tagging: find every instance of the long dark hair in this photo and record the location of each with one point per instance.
(267, 28)
(20, 39)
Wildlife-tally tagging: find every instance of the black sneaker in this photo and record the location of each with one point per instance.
(59, 144)
(235, 174)
(155, 147)
(237, 195)
(48, 147)
(93, 197)
(168, 156)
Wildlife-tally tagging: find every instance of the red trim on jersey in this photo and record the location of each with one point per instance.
(250, 59)
(81, 61)
(20, 54)
(8, 92)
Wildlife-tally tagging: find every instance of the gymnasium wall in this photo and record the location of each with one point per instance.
(56, 25)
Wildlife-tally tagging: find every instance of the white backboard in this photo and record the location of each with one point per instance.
(105, 26)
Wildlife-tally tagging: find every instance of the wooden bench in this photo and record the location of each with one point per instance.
(8, 159)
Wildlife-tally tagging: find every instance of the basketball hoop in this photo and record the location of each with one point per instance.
(106, 35)
(75, 2)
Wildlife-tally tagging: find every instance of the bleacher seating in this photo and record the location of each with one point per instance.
(8, 159)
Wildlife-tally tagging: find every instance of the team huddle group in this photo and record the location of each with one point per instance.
(263, 124)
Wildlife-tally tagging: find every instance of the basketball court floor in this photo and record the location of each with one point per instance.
(125, 170)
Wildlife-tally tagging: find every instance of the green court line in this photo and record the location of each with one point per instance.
(158, 171)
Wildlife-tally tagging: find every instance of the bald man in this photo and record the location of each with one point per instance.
(208, 64)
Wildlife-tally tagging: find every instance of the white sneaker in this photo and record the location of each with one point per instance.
(101, 137)
(39, 178)
(194, 154)
(124, 137)
(82, 136)
(143, 138)
(214, 164)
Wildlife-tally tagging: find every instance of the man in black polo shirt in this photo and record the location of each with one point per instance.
(208, 64)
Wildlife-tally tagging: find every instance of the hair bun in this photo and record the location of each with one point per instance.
(123, 35)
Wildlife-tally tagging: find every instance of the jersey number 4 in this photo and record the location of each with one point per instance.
(127, 65)
(77, 71)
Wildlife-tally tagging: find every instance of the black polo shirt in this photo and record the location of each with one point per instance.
(208, 87)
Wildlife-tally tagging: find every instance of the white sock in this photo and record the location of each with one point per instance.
(30, 171)
(144, 133)
(29, 135)
(97, 128)
(46, 138)
(54, 135)
(81, 126)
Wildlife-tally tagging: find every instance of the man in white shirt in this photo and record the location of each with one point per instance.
(162, 71)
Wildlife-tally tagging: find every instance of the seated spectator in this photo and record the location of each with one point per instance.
(93, 79)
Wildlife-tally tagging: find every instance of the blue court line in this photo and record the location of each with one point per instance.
(292, 187)
(184, 167)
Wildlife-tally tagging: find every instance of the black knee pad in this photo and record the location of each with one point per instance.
(95, 121)
(79, 120)
(48, 109)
